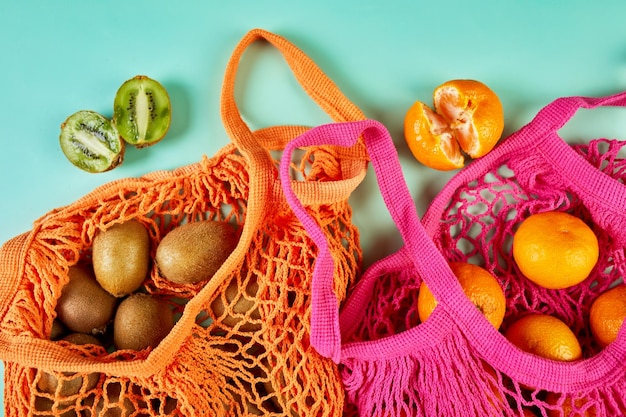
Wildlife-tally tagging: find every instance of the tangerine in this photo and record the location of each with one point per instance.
(607, 314)
(570, 405)
(555, 249)
(480, 286)
(545, 336)
(467, 116)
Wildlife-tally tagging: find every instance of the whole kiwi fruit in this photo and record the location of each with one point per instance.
(66, 384)
(141, 321)
(43, 406)
(194, 251)
(84, 306)
(121, 257)
(118, 402)
(234, 306)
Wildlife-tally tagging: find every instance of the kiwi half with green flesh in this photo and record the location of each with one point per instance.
(91, 142)
(84, 306)
(142, 111)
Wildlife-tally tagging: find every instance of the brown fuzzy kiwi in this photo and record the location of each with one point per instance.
(276, 378)
(82, 339)
(58, 330)
(43, 406)
(193, 252)
(83, 306)
(121, 257)
(141, 321)
(235, 308)
(114, 403)
(66, 384)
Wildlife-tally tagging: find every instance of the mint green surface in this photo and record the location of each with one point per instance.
(62, 56)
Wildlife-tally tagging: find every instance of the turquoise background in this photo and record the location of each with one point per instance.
(62, 56)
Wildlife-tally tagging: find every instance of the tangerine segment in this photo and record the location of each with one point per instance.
(607, 314)
(555, 249)
(430, 139)
(474, 113)
(545, 336)
(478, 284)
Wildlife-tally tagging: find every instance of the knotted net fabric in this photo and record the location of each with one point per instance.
(241, 344)
(255, 361)
(456, 363)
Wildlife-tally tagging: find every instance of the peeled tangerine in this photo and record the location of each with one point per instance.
(467, 117)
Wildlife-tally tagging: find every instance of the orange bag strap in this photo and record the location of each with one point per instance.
(316, 84)
(47, 355)
(12, 254)
(324, 92)
(44, 354)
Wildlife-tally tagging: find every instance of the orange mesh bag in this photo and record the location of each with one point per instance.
(240, 342)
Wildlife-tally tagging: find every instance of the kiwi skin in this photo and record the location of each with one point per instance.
(118, 405)
(232, 307)
(43, 407)
(69, 384)
(141, 321)
(121, 257)
(193, 252)
(84, 306)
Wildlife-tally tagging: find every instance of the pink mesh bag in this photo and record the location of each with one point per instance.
(456, 363)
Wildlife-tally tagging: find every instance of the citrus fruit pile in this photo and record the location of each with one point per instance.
(554, 251)
(468, 119)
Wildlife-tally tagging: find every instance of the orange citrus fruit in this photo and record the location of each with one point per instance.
(567, 406)
(555, 249)
(607, 314)
(430, 139)
(480, 286)
(545, 336)
(467, 116)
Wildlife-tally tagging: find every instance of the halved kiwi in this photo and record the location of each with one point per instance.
(91, 142)
(142, 111)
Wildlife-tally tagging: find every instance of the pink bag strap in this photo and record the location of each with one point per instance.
(540, 135)
(310, 77)
(428, 262)
(546, 123)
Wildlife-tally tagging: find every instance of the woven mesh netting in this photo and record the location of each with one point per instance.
(248, 351)
(442, 374)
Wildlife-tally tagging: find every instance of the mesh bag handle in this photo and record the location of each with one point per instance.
(454, 308)
(263, 188)
(595, 189)
(325, 322)
(325, 94)
(541, 134)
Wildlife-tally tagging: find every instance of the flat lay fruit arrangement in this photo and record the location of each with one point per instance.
(105, 306)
